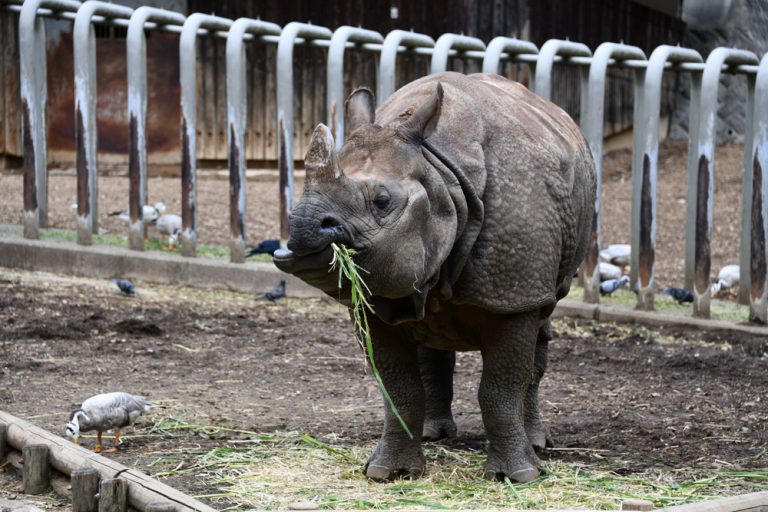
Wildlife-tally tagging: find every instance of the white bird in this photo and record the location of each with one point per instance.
(608, 271)
(150, 213)
(108, 411)
(617, 254)
(170, 225)
(727, 278)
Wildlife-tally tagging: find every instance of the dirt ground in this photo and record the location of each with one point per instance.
(262, 205)
(637, 398)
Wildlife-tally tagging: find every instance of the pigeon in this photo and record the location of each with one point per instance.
(727, 278)
(611, 285)
(617, 254)
(264, 247)
(150, 213)
(274, 294)
(679, 294)
(125, 286)
(170, 224)
(108, 411)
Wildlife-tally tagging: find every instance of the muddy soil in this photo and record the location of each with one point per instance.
(636, 398)
(262, 205)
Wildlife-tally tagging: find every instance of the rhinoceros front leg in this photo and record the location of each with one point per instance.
(538, 433)
(437, 375)
(397, 361)
(508, 357)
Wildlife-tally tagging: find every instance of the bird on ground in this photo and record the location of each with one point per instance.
(150, 213)
(274, 294)
(681, 295)
(611, 285)
(264, 247)
(617, 254)
(727, 278)
(108, 411)
(126, 287)
(169, 224)
(608, 271)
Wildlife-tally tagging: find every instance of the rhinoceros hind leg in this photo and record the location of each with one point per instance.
(538, 433)
(436, 368)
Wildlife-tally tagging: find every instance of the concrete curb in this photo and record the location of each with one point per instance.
(107, 261)
(573, 309)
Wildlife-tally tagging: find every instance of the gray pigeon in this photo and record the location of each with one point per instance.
(274, 294)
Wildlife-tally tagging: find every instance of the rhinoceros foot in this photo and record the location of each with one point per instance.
(439, 428)
(387, 465)
(539, 436)
(520, 467)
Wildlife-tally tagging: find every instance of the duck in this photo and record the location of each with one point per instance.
(727, 278)
(617, 254)
(149, 213)
(169, 224)
(107, 411)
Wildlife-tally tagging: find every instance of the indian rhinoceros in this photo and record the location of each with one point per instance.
(469, 201)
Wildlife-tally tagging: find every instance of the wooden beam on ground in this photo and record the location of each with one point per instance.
(753, 502)
(66, 457)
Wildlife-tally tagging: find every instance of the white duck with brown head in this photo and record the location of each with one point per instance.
(108, 411)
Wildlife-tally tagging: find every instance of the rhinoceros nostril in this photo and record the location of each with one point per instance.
(330, 223)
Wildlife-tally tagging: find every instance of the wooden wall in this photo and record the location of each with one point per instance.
(588, 21)
(10, 93)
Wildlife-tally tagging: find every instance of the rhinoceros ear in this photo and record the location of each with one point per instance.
(424, 119)
(321, 162)
(360, 109)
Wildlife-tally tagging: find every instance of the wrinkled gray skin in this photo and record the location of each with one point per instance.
(469, 200)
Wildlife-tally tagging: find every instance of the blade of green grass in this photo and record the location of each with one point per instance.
(342, 257)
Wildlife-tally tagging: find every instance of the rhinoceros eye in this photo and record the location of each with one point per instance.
(381, 202)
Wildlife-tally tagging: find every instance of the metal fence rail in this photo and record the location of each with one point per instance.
(647, 76)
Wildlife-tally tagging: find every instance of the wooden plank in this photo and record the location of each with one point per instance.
(257, 98)
(205, 102)
(270, 104)
(66, 457)
(220, 101)
(753, 502)
(12, 87)
(35, 469)
(305, 121)
(85, 487)
(113, 495)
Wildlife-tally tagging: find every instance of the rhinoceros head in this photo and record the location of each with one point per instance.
(378, 195)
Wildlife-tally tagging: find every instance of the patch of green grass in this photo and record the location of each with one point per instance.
(272, 471)
(213, 251)
(623, 298)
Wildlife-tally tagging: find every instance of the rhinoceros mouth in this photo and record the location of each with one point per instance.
(313, 268)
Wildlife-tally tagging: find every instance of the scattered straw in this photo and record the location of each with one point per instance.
(275, 470)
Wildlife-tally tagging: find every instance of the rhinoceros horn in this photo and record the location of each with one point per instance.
(424, 119)
(321, 161)
(360, 109)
